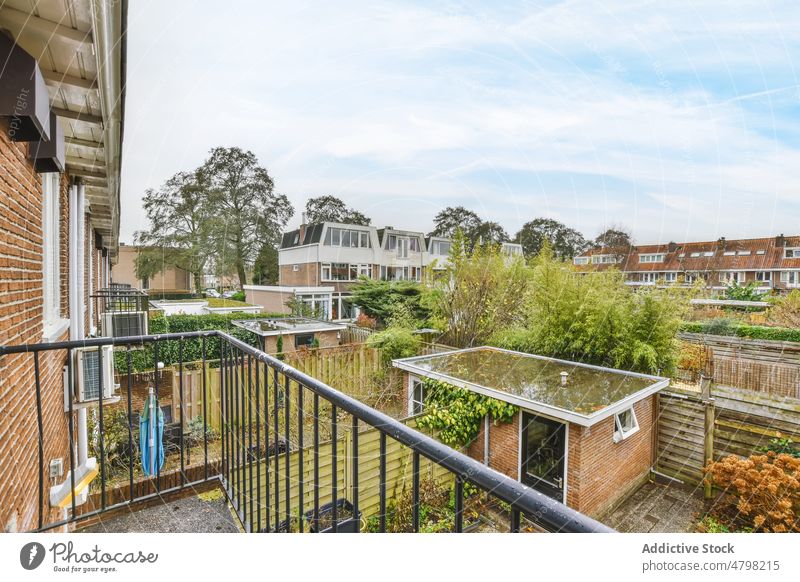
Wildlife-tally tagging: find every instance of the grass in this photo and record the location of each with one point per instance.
(220, 302)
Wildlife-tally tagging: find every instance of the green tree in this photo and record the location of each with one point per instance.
(451, 219)
(332, 209)
(180, 217)
(248, 213)
(380, 299)
(490, 233)
(265, 268)
(565, 242)
(616, 240)
(478, 295)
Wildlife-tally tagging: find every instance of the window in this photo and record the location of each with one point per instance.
(694, 255)
(729, 253)
(402, 248)
(764, 277)
(761, 252)
(603, 259)
(670, 277)
(296, 239)
(648, 277)
(791, 278)
(652, 258)
(682, 255)
(304, 340)
(708, 254)
(581, 260)
(791, 253)
(736, 277)
(625, 424)
(415, 397)
(345, 237)
(413, 244)
(440, 247)
(743, 253)
(51, 263)
(295, 268)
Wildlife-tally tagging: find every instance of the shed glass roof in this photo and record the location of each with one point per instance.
(535, 382)
(286, 325)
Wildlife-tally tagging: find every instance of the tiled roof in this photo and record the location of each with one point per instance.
(727, 255)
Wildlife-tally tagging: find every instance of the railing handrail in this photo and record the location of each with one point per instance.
(545, 511)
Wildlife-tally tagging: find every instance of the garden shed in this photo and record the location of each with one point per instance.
(581, 434)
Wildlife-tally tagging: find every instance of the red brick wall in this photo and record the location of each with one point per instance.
(600, 472)
(21, 312)
(503, 446)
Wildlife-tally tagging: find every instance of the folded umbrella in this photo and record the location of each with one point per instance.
(151, 436)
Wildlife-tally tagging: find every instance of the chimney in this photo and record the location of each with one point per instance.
(302, 228)
(672, 247)
(780, 240)
(722, 242)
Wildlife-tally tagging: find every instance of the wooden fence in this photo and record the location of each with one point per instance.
(771, 367)
(696, 428)
(356, 370)
(355, 335)
(398, 476)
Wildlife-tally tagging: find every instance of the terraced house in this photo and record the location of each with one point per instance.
(61, 124)
(319, 263)
(770, 263)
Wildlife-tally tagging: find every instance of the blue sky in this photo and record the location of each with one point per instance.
(678, 120)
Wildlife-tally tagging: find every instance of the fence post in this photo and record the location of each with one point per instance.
(708, 452)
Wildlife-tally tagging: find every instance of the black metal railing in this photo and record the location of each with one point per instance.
(273, 429)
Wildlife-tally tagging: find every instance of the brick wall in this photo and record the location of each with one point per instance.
(307, 275)
(503, 446)
(600, 472)
(21, 312)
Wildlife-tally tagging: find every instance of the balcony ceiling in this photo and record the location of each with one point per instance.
(80, 47)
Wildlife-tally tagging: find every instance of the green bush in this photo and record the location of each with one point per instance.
(761, 332)
(380, 299)
(169, 351)
(395, 342)
(238, 296)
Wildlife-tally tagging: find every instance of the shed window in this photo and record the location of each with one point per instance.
(625, 424)
(415, 405)
(303, 340)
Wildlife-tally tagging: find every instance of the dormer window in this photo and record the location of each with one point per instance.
(652, 258)
(791, 253)
(581, 260)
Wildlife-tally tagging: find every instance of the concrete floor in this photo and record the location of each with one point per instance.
(204, 513)
(659, 508)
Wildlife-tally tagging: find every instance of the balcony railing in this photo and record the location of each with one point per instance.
(289, 451)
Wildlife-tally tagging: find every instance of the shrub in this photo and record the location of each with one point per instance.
(786, 311)
(379, 299)
(692, 358)
(710, 524)
(395, 342)
(456, 414)
(762, 491)
(365, 321)
(169, 352)
(238, 296)
(742, 330)
(747, 292)
(782, 446)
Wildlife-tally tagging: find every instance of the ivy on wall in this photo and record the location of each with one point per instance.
(456, 414)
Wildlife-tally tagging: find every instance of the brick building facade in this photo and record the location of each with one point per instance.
(59, 221)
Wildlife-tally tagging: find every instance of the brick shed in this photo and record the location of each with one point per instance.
(582, 435)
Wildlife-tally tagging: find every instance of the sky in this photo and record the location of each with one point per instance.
(676, 120)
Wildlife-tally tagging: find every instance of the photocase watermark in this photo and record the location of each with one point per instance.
(31, 555)
(65, 558)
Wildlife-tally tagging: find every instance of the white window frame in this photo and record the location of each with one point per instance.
(743, 253)
(53, 324)
(694, 255)
(604, 259)
(729, 277)
(295, 268)
(790, 278)
(652, 258)
(791, 252)
(581, 260)
(415, 406)
(671, 277)
(708, 254)
(764, 276)
(620, 432)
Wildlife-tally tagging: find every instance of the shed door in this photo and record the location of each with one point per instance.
(543, 450)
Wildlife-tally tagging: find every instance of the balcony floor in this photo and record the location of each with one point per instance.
(203, 513)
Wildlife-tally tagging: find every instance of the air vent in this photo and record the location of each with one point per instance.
(24, 99)
(48, 155)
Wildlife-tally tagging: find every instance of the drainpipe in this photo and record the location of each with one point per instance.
(486, 440)
(76, 307)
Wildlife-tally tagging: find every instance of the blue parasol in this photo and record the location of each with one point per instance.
(151, 435)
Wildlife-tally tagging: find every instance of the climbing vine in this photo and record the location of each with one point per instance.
(455, 414)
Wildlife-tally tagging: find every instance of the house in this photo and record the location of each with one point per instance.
(169, 278)
(582, 434)
(61, 124)
(770, 263)
(294, 333)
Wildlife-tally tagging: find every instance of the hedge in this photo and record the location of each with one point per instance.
(142, 358)
(760, 332)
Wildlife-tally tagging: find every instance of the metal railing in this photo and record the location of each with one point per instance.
(117, 299)
(270, 416)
